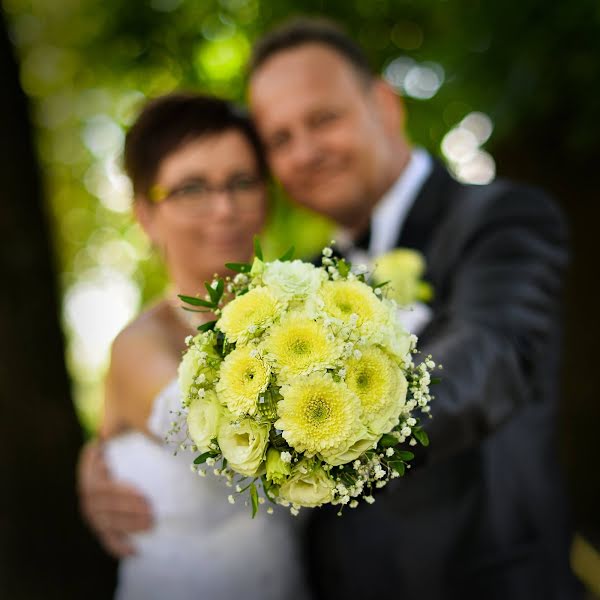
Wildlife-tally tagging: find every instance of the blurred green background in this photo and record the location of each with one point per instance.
(494, 88)
(88, 65)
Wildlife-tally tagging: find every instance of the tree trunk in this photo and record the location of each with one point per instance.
(45, 550)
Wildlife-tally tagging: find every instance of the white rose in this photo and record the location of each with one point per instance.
(203, 420)
(293, 279)
(359, 447)
(243, 443)
(312, 488)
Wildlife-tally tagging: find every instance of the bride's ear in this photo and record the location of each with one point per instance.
(144, 213)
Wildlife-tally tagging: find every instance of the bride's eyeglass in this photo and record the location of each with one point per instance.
(200, 196)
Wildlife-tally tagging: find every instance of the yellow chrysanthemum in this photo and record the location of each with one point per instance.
(381, 387)
(243, 377)
(248, 313)
(300, 345)
(342, 299)
(319, 415)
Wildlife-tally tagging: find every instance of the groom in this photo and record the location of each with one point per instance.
(482, 514)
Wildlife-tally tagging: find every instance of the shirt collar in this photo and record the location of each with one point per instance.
(390, 212)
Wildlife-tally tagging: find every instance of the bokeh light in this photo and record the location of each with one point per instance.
(461, 147)
(415, 80)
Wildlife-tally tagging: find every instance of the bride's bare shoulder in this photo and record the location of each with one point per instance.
(142, 363)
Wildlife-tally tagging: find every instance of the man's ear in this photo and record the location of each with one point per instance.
(390, 105)
(144, 213)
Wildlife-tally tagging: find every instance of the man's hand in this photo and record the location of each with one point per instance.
(112, 509)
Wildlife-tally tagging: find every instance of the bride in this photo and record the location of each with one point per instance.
(199, 183)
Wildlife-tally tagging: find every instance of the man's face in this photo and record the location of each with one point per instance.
(326, 131)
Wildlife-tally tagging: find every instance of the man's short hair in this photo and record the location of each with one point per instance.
(300, 32)
(171, 121)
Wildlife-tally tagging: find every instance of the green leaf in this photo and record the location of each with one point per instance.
(239, 267)
(220, 289)
(388, 440)
(404, 454)
(398, 466)
(207, 326)
(257, 249)
(343, 267)
(196, 301)
(202, 458)
(380, 285)
(288, 254)
(212, 292)
(194, 310)
(421, 437)
(435, 381)
(254, 499)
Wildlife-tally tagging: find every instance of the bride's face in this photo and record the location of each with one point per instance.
(208, 202)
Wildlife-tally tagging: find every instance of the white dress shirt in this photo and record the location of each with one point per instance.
(391, 211)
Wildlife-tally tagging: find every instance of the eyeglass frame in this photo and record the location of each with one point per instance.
(158, 194)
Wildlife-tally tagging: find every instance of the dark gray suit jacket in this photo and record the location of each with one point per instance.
(483, 515)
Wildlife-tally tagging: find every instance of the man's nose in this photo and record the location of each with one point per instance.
(305, 151)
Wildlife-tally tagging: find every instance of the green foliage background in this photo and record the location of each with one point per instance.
(87, 65)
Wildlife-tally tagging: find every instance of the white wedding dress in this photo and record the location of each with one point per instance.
(201, 547)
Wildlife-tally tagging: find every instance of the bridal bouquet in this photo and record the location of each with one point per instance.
(304, 384)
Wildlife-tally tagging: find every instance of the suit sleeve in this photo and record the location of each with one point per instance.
(499, 316)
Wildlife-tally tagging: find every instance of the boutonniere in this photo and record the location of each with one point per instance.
(402, 271)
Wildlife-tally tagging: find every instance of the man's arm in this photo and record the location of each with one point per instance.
(501, 315)
(113, 510)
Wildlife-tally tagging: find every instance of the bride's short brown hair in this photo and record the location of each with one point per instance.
(168, 122)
